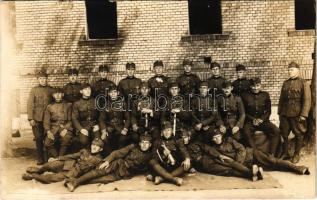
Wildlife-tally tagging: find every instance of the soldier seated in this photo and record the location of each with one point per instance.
(67, 166)
(168, 153)
(120, 164)
(57, 125)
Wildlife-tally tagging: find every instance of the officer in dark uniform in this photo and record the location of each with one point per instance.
(58, 125)
(205, 113)
(215, 81)
(120, 164)
(39, 98)
(177, 111)
(102, 85)
(159, 83)
(114, 122)
(129, 86)
(188, 82)
(144, 116)
(242, 84)
(67, 166)
(170, 157)
(232, 111)
(293, 108)
(257, 105)
(85, 117)
(72, 88)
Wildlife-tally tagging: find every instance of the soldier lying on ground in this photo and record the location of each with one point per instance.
(67, 166)
(167, 163)
(120, 164)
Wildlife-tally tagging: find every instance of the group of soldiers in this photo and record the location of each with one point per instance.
(102, 132)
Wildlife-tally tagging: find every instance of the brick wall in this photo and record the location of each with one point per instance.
(259, 34)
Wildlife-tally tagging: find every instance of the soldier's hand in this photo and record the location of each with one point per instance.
(95, 128)
(135, 127)
(224, 158)
(302, 119)
(198, 126)
(124, 131)
(104, 134)
(222, 129)
(63, 132)
(104, 165)
(186, 164)
(205, 128)
(52, 159)
(235, 129)
(255, 122)
(32, 122)
(84, 132)
(260, 121)
(50, 135)
(175, 110)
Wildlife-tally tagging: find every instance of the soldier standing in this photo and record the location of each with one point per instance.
(257, 105)
(72, 88)
(58, 125)
(102, 85)
(158, 83)
(215, 81)
(39, 98)
(242, 84)
(293, 108)
(85, 117)
(188, 82)
(232, 111)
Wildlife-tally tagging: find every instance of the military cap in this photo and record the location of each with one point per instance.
(130, 65)
(72, 71)
(84, 85)
(187, 62)
(255, 81)
(293, 65)
(57, 90)
(214, 64)
(166, 125)
(112, 87)
(174, 84)
(215, 132)
(144, 84)
(240, 67)
(97, 142)
(204, 83)
(42, 73)
(145, 137)
(158, 63)
(226, 84)
(103, 68)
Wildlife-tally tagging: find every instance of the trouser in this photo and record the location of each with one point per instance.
(65, 141)
(86, 140)
(56, 167)
(168, 175)
(288, 124)
(268, 128)
(270, 162)
(38, 132)
(116, 140)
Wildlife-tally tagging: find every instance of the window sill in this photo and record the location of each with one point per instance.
(100, 42)
(309, 32)
(206, 37)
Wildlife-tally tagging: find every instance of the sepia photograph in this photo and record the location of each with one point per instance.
(157, 99)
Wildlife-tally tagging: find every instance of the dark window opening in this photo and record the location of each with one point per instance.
(305, 15)
(204, 16)
(101, 19)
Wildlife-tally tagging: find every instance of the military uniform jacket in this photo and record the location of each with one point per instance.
(160, 84)
(39, 98)
(129, 85)
(101, 86)
(257, 106)
(58, 116)
(241, 86)
(83, 159)
(205, 111)
(177, 148)
(85, 115)
(215, 84)
(139, 118)
(231, 148)
(115, 116)
(134, 158)
(72, 92)
(188, 83)
(198, 150)
(231, 110)
(295, 98)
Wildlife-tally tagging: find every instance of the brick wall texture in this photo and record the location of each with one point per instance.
(261, 35)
